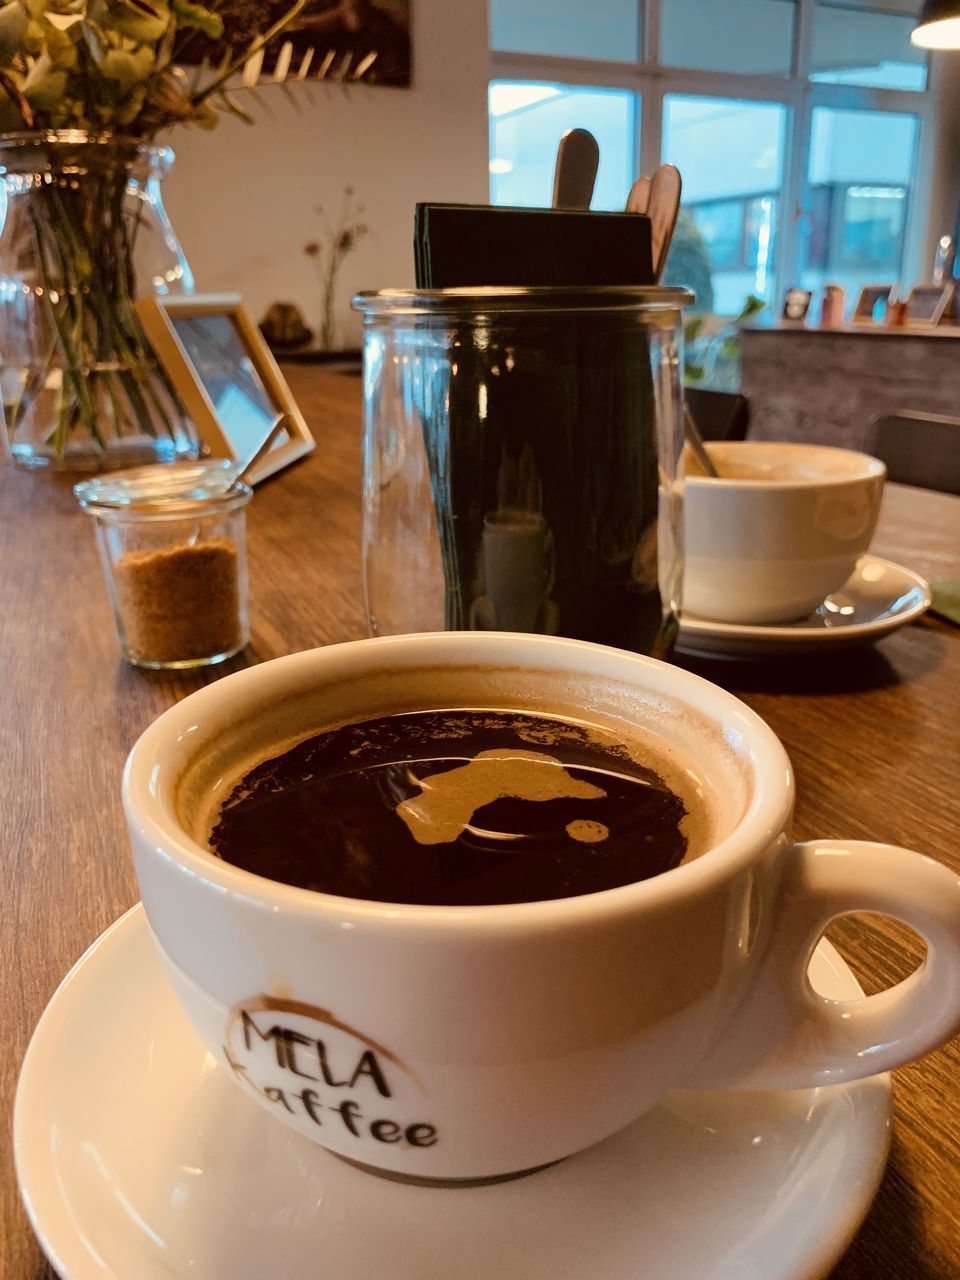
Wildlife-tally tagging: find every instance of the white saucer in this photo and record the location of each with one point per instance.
(878, 597)
(138, 1158)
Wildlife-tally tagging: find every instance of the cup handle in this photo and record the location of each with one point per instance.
(784, 1034)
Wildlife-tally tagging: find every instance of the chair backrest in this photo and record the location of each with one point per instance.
(921, 449)
(719, 415)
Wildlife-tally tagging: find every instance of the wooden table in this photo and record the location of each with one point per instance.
(874, 736)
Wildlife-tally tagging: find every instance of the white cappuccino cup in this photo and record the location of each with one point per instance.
(782, 527)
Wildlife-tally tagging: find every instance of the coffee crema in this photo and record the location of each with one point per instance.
(454, 807)
(773, 463)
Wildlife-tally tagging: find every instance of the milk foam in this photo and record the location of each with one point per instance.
(773, 462)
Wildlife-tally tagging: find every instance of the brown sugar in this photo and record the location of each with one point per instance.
(180, 603)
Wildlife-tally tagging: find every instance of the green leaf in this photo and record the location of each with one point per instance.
(35, 37)
(60, 47)
(145, 8)
(946, 599)
(10, 117)
(139, 20)
(13, 27)
(692, 327)
(45, 84)
(692, 372)
(127, 69)
(752, 306)
(93, 38)
(198, 17)
(132, 107)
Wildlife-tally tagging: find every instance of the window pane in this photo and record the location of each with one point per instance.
(730, 155)
(737, 35)
(720, 222)
(860, 175)
(853, 45)
(608, 29)
(527, 121)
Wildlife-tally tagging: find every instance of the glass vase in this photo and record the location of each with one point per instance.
(84, 235)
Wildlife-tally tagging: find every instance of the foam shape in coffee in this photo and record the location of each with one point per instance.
(695, 756)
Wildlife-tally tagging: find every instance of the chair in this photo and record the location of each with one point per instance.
(921, 449)
(719, 415)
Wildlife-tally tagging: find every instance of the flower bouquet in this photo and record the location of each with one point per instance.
(85, 87)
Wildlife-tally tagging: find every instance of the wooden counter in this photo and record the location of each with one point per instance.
(823, 385)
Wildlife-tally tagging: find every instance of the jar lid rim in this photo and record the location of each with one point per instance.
(164, 488)
(481, 298)
(23, 138)
(76, 149)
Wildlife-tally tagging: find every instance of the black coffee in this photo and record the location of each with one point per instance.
(456, 807)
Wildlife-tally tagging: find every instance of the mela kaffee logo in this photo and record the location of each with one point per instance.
(306, 1062)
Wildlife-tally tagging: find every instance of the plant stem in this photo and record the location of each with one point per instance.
(84, 240)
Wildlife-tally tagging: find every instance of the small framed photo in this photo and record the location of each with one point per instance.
(227, 378)
(873, 298)
(927, 303)
(796, 304)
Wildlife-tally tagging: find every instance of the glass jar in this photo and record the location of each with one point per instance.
(521, 454)
(84, 235)
(172, 543)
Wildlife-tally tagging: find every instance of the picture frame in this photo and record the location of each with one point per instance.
(871, 295)
(796, 305)
(227, 378)
(927, 303)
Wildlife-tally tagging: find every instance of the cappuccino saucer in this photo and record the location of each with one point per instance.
(137, 1157)
(877, 598)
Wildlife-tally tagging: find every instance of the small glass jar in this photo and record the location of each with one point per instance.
(172, 542)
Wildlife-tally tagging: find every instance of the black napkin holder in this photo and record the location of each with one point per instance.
(464, 246)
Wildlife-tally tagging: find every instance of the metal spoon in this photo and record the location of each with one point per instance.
(278, 425)
(697, 447)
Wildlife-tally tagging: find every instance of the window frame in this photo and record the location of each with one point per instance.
(652, 82)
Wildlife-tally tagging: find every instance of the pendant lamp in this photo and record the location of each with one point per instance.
(938, 26)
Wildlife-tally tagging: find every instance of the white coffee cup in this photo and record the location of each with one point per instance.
(783, 526)
(518, 574)
(476, 1042)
